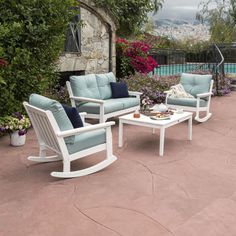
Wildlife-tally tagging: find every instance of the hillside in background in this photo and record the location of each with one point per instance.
(181, 29)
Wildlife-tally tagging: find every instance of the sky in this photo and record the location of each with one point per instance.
(179, 9)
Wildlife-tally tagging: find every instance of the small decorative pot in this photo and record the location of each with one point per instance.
(143, 109)
(17, 140)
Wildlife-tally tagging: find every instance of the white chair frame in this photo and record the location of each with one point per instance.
(50, 137)
(102, 117)
(196, 109)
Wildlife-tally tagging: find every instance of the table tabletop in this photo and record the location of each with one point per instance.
(147, 120)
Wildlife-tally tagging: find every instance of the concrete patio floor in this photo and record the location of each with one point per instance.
(191, 191)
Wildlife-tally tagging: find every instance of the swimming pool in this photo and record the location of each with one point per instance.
(175, 69)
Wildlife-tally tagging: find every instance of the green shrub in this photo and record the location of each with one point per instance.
(152, 87)
(221, 85)
(32, 35)
(58, 93)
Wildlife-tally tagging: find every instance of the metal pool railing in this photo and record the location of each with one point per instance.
(175, 69)
(230, 68)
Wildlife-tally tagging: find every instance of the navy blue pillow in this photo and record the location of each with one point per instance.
(119, 90)
(74, 116)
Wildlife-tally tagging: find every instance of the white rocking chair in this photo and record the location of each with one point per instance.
(199, 86)
(50, 137)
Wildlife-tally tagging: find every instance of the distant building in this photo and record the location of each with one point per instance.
(181, 30)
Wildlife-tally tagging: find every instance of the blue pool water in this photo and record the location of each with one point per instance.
(181, 68)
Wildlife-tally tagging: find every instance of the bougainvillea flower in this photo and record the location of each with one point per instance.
(3, 62)
(138, 54)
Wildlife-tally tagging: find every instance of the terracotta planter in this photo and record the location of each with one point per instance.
(17, 140)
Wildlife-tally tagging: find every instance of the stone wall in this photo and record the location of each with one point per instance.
(94, 57)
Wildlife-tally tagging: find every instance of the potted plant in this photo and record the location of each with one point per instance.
(145, 103)
(17, 126)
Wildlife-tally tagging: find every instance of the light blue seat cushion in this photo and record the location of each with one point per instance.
(128, 102)
(85, 86)
(94, 108)
(110, 105)
(87, 140)
(104, 87)
(196, 84)
(57, 111)
(190, 102)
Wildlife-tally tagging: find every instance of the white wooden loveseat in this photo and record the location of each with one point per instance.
(92, 94)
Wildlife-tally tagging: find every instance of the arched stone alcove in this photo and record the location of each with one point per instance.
(97, 53)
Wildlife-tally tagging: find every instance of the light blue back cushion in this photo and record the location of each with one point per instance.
(103, 81)
(57, 111)
(85, 86)
(195, 84)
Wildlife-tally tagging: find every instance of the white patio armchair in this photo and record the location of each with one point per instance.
(69, 145)
(200, 87)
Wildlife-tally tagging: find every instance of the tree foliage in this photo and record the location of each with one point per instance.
(32, 35)
(131, 14)
(221, 15)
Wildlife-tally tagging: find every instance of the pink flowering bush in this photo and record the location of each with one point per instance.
(133, 57)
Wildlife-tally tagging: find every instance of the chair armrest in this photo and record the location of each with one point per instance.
(83, 99)
(202, 95)
(83, 115)
(135, 93)
(84, 129)
(168, 92)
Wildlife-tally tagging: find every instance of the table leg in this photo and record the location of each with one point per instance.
(162, 140)
(190, 128)
(120, 134)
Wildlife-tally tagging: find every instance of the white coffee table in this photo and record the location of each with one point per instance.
(146, 121)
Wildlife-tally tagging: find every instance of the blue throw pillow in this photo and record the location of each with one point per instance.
(74, 116)
(119, 90)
